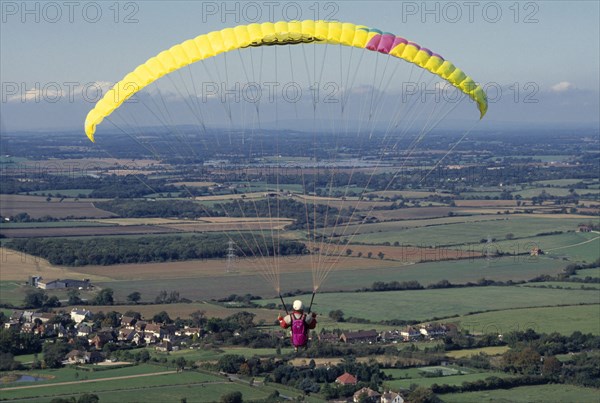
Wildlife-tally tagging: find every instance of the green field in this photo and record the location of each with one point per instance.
(458, 272)
(563, 284)
(213, 355)
(528, 394)
(576, 246)
(594, 273)
(172, 379)
(11, 293)
(69, 374)
(561, 182)
(426, 304)
(403, 378)
(564, 319)
(463, 233)
(193, 393)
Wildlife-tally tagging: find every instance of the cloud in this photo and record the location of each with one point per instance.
(562, 86)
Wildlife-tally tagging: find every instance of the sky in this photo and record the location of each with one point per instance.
(539, 60)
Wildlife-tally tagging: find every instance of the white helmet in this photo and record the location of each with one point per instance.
(298, 306)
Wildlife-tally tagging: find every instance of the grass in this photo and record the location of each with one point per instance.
(440, 380)
(594, 273)
(70, 374)
(563, 319)
(559, 182)
(563, 284)
(193, 393)
(575, 246)
(197, 286)
(527, 394)
(11, 292)
(114, 384)
(213, 355)
(464, 233)
(442, 303)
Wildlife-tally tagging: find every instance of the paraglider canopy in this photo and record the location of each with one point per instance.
(280, 33)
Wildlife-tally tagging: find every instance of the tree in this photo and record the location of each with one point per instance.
(348, 252)
(551, 366)
(337, 315)
(198, 317)
(381, 255)
(369, 255)
(230, 363)
(35, 298)
(54, 353)
(74, 298)
(134, 297)
(422, 395)
(232, 397)
(88, 398)
(8, 362)
(179, 363)
(104, 297)
(162, 317)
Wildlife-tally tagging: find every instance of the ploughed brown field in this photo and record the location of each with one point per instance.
(17, 266)
(37, 206)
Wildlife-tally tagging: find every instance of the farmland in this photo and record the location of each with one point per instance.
(38, 207)
(424, 305)
(457, 247)
(527, 394)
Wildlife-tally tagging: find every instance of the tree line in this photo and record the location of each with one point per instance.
(109, 251)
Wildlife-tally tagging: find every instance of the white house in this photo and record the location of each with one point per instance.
(79, 315)
(392, 397)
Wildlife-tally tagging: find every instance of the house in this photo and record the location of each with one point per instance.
(390, 336)
(101, 338)
(27, 327)
(371, 395)
(67, 283)
(433, 330)
(140, 325)
(132, 336)
(155, 331)
(392, 397)
(410, 333)
(164, 346)
(12, 325)
(361, 336)
(535, 251)
(84, 329)
(27, 316)
(16, 316)
(51, 285)
(83, 357)
(79, 315)
(128, 321)
(188, 331)
(75, 357)
(43, 317)
(346, 379)
(329, 338)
